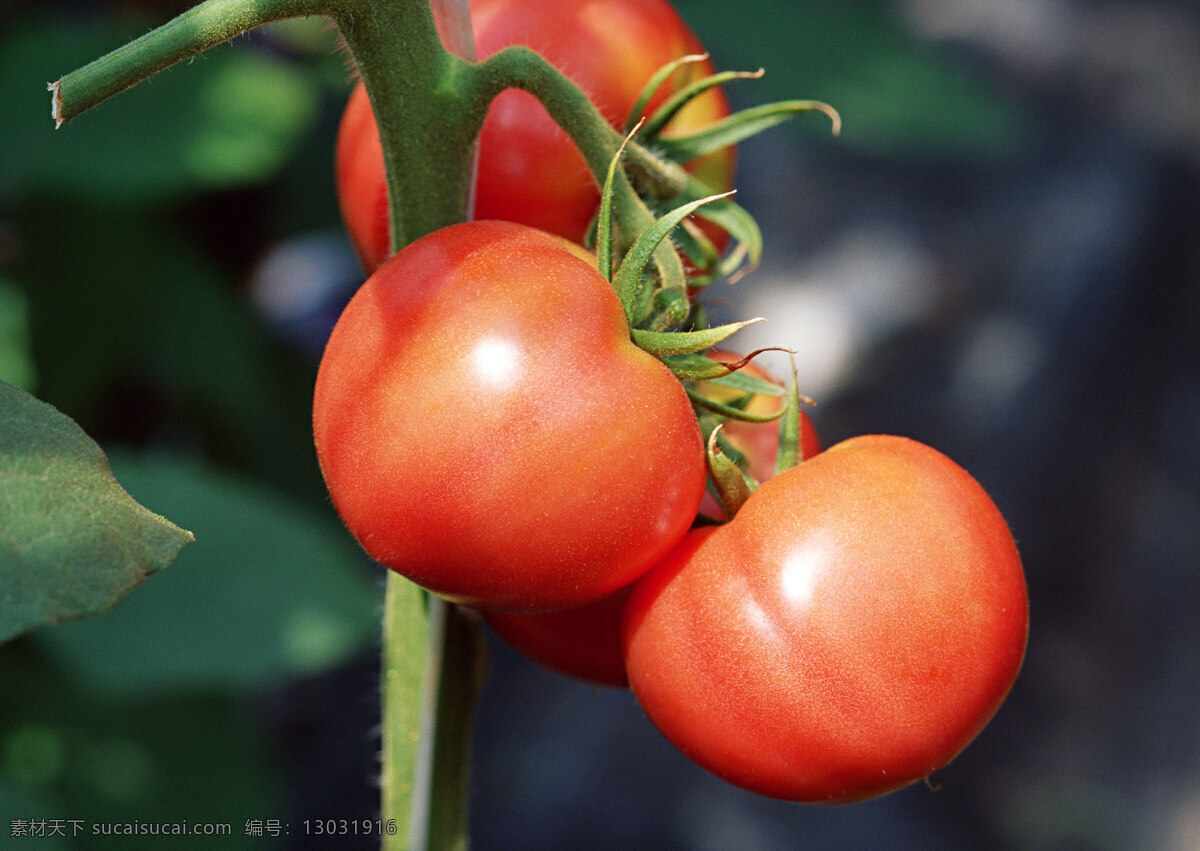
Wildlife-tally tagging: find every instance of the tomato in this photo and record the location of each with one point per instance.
(486, 427)
(850, 631)
(529, 169)
(582, 642)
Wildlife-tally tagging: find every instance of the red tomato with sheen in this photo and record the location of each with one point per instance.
(850, 631)
(486, 427)
(529, 169)
(582, 642)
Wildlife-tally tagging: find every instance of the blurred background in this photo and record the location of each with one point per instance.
(1000, 256)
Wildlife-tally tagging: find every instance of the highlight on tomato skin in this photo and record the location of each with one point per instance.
(486, 426)
(529, 170)
(848, 633)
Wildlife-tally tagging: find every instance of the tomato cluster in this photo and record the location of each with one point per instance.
(488, 428)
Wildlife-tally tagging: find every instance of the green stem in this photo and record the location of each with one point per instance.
(427, 122)
(199, 28)
(569, 107)
(427, 128)
(433, 669)
(405, 637)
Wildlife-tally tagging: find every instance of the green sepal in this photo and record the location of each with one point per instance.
(710, 423)
(629, 275)
(696, 246)
(663, 115)
(738, 127)
(730, 410)
(789, 453)
(653, 85)
(663, 343)
(740, 226)
(747, 383)
(698, 367)
(604, 246)
(695, 367)
(671, 309)
(732, 487)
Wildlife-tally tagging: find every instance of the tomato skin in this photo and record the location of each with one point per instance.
(850, 631)
(529, 170)
(486, 427)
(582, 642)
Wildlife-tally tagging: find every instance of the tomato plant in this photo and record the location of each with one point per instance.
(500, 418)
(529, 170)
(848, 632)
(486, 427)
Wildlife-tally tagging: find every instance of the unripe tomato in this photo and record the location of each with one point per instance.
(486, 427)
(850, 631)
(529, 169)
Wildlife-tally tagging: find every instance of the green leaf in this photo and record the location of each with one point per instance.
(748, 383)
(72, 542)
(789, 453)
(654, 83)
(695, 367)
(739, 224)
(270, 590)
(604, 238)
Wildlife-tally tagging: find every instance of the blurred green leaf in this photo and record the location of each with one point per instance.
(898, 96)
(232, 115)
(136, 305)
(271, 590)
(72, 542)
(87, 304)
(16, 359)
(67, 755)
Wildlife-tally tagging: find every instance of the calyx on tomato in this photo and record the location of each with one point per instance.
(850, 631)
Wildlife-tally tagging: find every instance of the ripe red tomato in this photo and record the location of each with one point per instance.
(850, 631)
(582, 642)
(529, 170)
(486, 427)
